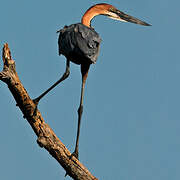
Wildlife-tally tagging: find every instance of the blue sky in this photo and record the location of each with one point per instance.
(131, 120)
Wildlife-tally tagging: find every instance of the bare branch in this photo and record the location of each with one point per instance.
(46, 137)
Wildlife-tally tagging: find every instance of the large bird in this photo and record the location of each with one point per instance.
(80, 43)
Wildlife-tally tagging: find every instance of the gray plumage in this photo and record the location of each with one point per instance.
(79, 43)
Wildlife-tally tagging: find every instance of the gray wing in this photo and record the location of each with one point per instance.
(88, 42)
(79, 41)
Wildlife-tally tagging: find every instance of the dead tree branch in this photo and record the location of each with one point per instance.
(46, 138)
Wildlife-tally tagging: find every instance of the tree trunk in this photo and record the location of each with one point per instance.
(46, 138)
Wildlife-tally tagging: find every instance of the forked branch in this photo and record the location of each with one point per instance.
(46, 138)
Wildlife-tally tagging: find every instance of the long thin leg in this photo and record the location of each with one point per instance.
(65, 75)
(84, 72)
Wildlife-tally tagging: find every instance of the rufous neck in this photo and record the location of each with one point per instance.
(90, 14)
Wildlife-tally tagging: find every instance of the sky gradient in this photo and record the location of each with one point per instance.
(131, 121)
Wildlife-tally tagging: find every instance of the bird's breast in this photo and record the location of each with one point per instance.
(79, 43)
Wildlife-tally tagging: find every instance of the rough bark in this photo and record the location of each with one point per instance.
(46, 138)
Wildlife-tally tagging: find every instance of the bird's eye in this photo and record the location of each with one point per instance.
(112, 9)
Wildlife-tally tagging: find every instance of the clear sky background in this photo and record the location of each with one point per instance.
(131, 121)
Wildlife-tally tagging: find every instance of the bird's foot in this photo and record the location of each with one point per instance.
(75, 154)
(36, 102)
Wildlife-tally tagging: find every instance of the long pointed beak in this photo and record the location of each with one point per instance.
(119, 15)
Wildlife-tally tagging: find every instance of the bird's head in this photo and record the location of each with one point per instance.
(111, 12)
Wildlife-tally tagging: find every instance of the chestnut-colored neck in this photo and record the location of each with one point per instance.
(92, 12)
(88, 16)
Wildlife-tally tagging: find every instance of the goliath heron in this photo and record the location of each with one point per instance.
(79, 43)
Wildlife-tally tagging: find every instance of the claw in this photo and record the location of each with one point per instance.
(75, 154)
(66, 174)
(36, 101)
